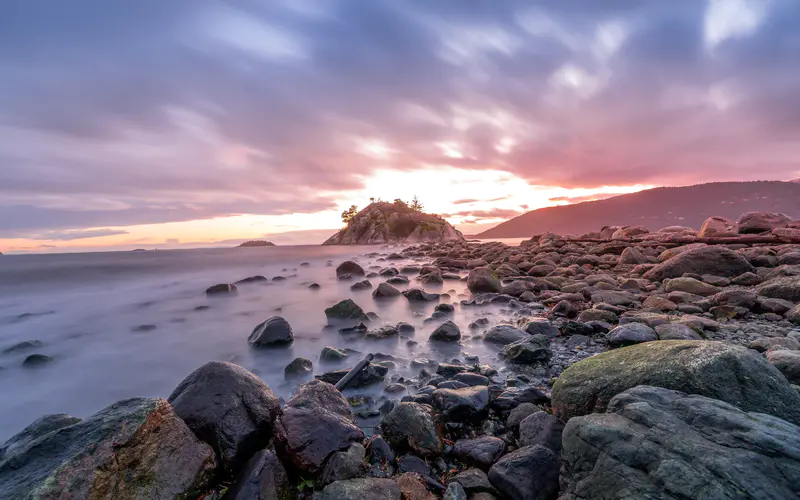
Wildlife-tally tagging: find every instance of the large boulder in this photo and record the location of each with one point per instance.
(715, 260)
(135, 448)
(263, 478)
(761, 222)
(529, 473)
(275, 331)
(786, 288)
(658, 443)
(346, 311)
(446, 332)
(457, 405)
(385, 291)
(718, 370)
(717, 227)
(227, 407)
(483, 280)
(349, 267)
(411, 427)
(315, 423)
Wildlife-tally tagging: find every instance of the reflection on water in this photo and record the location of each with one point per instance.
(129, 324)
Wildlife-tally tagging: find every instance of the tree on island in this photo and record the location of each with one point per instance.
(348, 214)
(416, 205)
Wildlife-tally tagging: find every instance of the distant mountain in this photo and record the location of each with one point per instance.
(657, 208)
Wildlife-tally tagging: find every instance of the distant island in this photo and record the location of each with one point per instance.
(138, 250)
(397, 222)
(256, 243)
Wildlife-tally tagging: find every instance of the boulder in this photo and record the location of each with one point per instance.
(361, 285)
(229, 408)
(530, 350)
(718, 227)
(299, 367)
(372, 374)
(541, 326)
(691, 285)
(344, 465)
(454, 491)
(417, 295)
(367, 488)
(263, 478)
(615, 298)
(530, 473)
(458, 405)
(385, 291)
(349, 267)
(483, 280)
(761, 222)
(504, 334)
(221, 289)
(716, 260)
(719, 370)
(446, 332)
(788, 362)
(676, 331)
(332, 354)
(629, 334)
(346, 310)
(274, 331)
(543, 429)
(315, 423)
(786, 288)
(632, 256)
(667, 444)
(135, 448)
(39, 427)
(481, 452)
(411, 427)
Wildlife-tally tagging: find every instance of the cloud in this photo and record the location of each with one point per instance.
(588, 197)
(74, 235)
(118, 113)
(495, 213)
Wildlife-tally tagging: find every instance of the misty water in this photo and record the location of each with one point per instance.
(86, 308)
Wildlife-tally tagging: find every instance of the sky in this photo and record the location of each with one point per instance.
(164, 124)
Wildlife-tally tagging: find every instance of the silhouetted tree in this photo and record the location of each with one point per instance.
(348, 214)
(416, 205)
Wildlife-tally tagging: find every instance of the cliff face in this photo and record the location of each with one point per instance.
(385, 222)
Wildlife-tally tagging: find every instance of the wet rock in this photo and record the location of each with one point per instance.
(36, 360)
(414, 464)
(480, 452)
(385, 332)
(519, 413)
(385, 291)
(455, 491)
(361, 285)
(263, 478)
(315, 423)
(531, 472)
(229, 408)
(349, 267)
(405, 328)
(332, 354)
(251, 279)
(716, 260)
(719, 370)
(343, 465)
(299, 367)
(379, 451)
(451, 384)
(504, 334)
(448, 370)
(412, 487)
(629, 334)
(458, 405)
(445, 308)
(483, 280)
(446, 332)
(694, 447)
(221, 289)
(398, 280)
(274, 331)
(676, 331)
(135, 448)
(432, 278)
(417, 295)
(543, 429)
(371, 375)
(388, 272)
(471, 379)
(367, 488)
(541, 327)
(475, 483)
(40, 427)
(346, 310)
(314, 286)
(411, 427)
(534, 349)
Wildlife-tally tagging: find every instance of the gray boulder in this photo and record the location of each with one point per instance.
(719, 370)
(676, 331)
(299, 367)
(229, 408)
(629, 334)
(481, 452)
(39, 427)
(534, 349)
(483, 280)
(418, 295)
(346, 310)
(504, 334)
(344, 465)
(530, 473)
(315, 423)
(667, 444)
(457, 405)
(385, 291)
(716, 260)
(274, 331)
(541, 326)
(411, 427)
(543, 429)
(372, 374)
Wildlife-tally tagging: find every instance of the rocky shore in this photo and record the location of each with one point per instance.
(630, 364)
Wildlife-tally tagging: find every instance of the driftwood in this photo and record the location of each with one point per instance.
(341, 384)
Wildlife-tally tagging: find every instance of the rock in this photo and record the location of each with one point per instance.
(788, 362)
(694, 447)
(432, 278)
(455, 491)
(691, 285)
(719, 370)
(475, 483)
(615, 298)
(349, 267)
(368, 488)
(221, 289)
(274, 331)
(388, 272)
(446, 332)
(718, 227)
(543, 429)
(534, 349)
(458, 405)
(761, 222)
(385, 291)
(597, 315)
(765, 343)
(346, 310)
(299, 367)
(332, 354)
(343, 465)
(504, 334)
(629, 334)
(315, 423)
(412, 463)
(135, 448)
(39, 427)
(263, 478)
(659, 303)
(793, 315)
(371, 375)
(716, 260)
(541, 326)
(736, 298)
(229, 408)
(530, 473)
(519, 413)
(23, 346)
(379, 451)
(411, 427)
(632, 256)
(480, 452)
(417, 295)
(746, 279)
(361, 285)
(483, 280)
(471, 379)
(251, 279)
(398, 280)
(412, 487)
(676, 331)
(36, 360)
(406, 328)
(786, 288)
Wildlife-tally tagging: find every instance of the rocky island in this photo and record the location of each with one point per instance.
(382, 222)
(255, 243)
(628, 364)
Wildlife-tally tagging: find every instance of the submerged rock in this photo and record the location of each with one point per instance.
(221, 289)
(385, 291)
(274, 331)
(36, 360)
(299, 367)
(446, 332)
(346, 310)
(349, 267)
(417, 295)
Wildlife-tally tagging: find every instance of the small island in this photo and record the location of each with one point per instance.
(256, 243)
